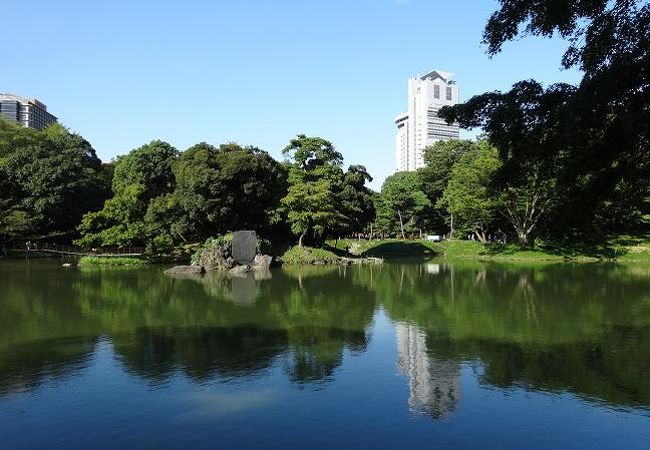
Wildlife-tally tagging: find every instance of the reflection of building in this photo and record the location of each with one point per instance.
(420, 126)
(434, 384)
(28, 112)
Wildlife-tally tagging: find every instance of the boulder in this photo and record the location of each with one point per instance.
(239, 270)
(194, 270)
(262, 262)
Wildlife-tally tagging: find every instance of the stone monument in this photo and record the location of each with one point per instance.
(244, 246)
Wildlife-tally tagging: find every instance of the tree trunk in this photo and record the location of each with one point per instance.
(522, 236)
(300, 239)
(480, 235)
(401, 223)
(451, 228)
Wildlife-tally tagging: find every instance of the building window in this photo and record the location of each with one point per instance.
(436, 91)
(448, 93)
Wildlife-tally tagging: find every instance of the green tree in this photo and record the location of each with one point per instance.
(140, 176)
(439, 160)
(310, 207)
(585, 146)
(355, 200)
(312, 154)
(227, 188)
(468, 196)
(403, 198)
(315, 177)
(48, 179)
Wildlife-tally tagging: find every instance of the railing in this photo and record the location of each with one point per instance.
(45, 247)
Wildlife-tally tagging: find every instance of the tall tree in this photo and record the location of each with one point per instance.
(439, 160)
(403, 198)
(310, 207)
(586, 143)
(355, 200)
(315, 176)
(468, 195)
(140, 176)
(48, 179)
(227, 188)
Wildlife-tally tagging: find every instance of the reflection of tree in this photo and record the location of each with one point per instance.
(202, 353)
(317, 351)
(27, 366)
(309, 316)
(434, 383)
(43, 334)
(585, 329)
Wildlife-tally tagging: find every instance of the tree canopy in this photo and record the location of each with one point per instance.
(402, 201)
(48, 179)
(574, 150)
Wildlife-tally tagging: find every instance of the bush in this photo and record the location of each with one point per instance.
(212, 245)
(308, 255)
(97, 261)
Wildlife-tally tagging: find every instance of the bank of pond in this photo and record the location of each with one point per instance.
(354, 251)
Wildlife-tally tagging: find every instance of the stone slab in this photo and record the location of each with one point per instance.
(244, 246)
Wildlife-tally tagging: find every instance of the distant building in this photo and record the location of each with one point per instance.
(28, 112)
(420, 126)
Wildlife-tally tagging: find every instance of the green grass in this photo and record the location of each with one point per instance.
(308, 255)
(111, 261)
(620, 248)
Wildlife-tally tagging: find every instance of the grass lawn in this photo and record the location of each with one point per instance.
(111, 261)
(620, 248)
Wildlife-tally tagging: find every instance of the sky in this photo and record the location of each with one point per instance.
(122, 73)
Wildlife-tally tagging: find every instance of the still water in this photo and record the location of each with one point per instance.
(403, 355)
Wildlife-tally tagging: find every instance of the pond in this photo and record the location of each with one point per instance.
(406, 354)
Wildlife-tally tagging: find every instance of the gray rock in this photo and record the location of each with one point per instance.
(239, 270)
(196, 270)
(244, 243)
(262, 262)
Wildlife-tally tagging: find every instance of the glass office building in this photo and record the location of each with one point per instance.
(28, 112)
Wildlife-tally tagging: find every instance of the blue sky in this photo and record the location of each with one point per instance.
(256, 72)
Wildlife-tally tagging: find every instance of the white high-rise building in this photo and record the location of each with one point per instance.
(420, 126)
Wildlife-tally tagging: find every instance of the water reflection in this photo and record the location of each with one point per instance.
(26, 367)
(582, 329)
(434, 383)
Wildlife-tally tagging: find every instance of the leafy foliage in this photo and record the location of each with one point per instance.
(468, 195)
(48, 179)
(579, 150)
(140, 177)
(321, 198)
(402, 200)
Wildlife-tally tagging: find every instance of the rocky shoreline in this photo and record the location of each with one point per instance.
(217, 256)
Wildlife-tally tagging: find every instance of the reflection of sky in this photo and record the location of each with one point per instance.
(217, 403)
(105, 403)
(364, 406)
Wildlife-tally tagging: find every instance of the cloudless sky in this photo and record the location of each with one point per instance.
(122, 73)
